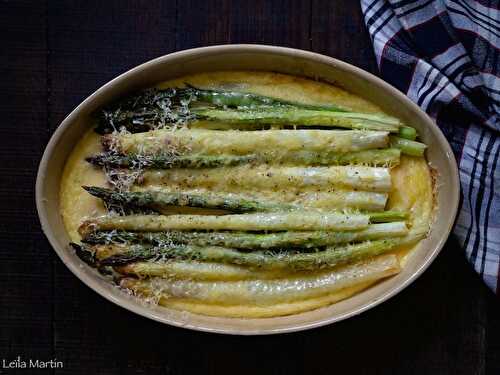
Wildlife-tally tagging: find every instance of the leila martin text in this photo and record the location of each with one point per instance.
(31, 363)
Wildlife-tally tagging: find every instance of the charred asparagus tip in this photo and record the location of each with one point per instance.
(85, 255)
(97, 191)
(95, 160)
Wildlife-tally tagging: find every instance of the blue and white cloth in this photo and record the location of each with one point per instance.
(445, 56)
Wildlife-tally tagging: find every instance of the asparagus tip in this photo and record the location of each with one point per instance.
(96, 191)
(94, 159)
(85, 255)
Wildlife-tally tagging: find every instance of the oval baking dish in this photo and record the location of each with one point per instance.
(250, 58)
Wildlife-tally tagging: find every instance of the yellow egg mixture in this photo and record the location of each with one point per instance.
(412, 180)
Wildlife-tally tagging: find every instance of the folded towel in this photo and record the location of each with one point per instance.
(444, 55)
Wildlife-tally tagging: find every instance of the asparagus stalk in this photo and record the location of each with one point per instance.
(253, 310)
(168, 161)
(332, 256)
(194, 270)
(234, 99)
(408, 147)
(272, 178)
(270, 291)
(190, 269)
(304, 220)
(323, 200)
(299, 116)
(388, 216)
(338, 199)
(251, 241)
(215, 142)
(154, 108)
(385, 157)
(407, 132)
(157, 199)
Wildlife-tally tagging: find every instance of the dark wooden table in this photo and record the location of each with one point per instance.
(54, 54)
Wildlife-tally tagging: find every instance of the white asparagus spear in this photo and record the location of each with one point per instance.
(270, 291)
(263, 177)
(216, 142)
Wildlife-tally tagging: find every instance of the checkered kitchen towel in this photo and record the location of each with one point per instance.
(444, 55)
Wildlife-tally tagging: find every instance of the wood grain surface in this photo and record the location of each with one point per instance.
(54, 54)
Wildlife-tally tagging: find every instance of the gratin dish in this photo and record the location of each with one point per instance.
(261, 58)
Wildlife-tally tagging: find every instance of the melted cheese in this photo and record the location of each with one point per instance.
(412, 182)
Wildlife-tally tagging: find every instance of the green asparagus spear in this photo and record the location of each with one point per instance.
(408, 147)
(167, 161)
(299, 116)
(225, 98)
(408, 132)
(388, 216)
(322, 200)
(330, 257)
(385, 157)
(157, 199)
(154, 108)
(276, 221)
(250, 241)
